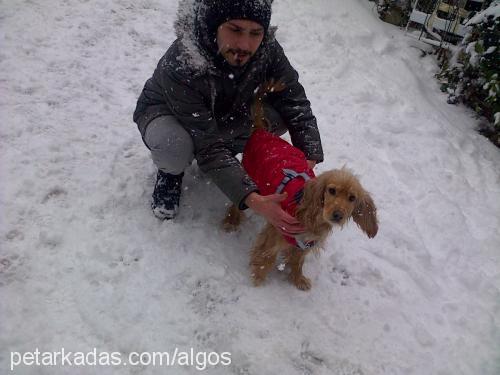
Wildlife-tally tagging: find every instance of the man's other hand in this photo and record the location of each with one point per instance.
(269, 207)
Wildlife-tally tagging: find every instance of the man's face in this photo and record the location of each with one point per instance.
(238, 40)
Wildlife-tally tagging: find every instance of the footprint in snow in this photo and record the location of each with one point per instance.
(9, 268)
(340, 275)
(209, 297)
(54, 193)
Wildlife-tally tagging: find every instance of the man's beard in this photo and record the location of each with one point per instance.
(241, 57)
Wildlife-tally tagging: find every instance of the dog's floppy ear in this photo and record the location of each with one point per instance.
(314, 198)
(365, 215)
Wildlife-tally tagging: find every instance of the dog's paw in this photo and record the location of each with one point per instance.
(258, 277)
(301, 282)
(257, 280)
(233, 219)
(229, 227)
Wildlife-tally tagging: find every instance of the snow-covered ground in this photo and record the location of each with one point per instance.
(84, 264)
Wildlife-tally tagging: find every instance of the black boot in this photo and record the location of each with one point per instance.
(166, 195)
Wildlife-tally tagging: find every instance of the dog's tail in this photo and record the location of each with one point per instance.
(265, 88)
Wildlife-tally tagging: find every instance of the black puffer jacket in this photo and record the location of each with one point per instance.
(212, 100)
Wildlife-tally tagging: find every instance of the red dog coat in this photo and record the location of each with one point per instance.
(276, 166)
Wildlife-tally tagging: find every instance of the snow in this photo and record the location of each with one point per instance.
(490, 50)
(474, 55)
(492, 11)
(84, 263)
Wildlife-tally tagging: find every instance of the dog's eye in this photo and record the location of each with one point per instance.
(332, 191)
(352, 198)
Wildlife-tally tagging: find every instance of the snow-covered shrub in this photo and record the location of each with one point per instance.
(472, 75)
(396, 12)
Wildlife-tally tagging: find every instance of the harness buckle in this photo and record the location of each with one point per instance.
(290, 174)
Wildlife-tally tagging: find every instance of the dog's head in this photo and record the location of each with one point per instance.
(336, 196)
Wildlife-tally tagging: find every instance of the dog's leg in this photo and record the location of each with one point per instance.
(295, 259)
(233, 219)
(264, 254)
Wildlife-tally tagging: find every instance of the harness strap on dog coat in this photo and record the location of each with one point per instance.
(304, 245)
(290, 174)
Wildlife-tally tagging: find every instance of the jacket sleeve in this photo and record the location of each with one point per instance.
(294, 107)
(214, 158)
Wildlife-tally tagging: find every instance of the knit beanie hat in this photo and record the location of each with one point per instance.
(220, 11)
(213, 13)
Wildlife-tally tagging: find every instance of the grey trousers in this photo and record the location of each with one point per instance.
(172, 148)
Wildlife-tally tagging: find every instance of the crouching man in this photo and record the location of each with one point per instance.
(198, 103)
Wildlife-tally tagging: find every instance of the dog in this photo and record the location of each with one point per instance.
(318, 203)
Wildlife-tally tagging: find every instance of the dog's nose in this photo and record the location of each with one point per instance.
(337, 216)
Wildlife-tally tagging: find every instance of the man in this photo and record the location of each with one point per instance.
(197, 104)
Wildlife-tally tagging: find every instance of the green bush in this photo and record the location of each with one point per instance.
(472, 74)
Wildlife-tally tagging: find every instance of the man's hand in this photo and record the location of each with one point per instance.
(311, 164)
(269, 207)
